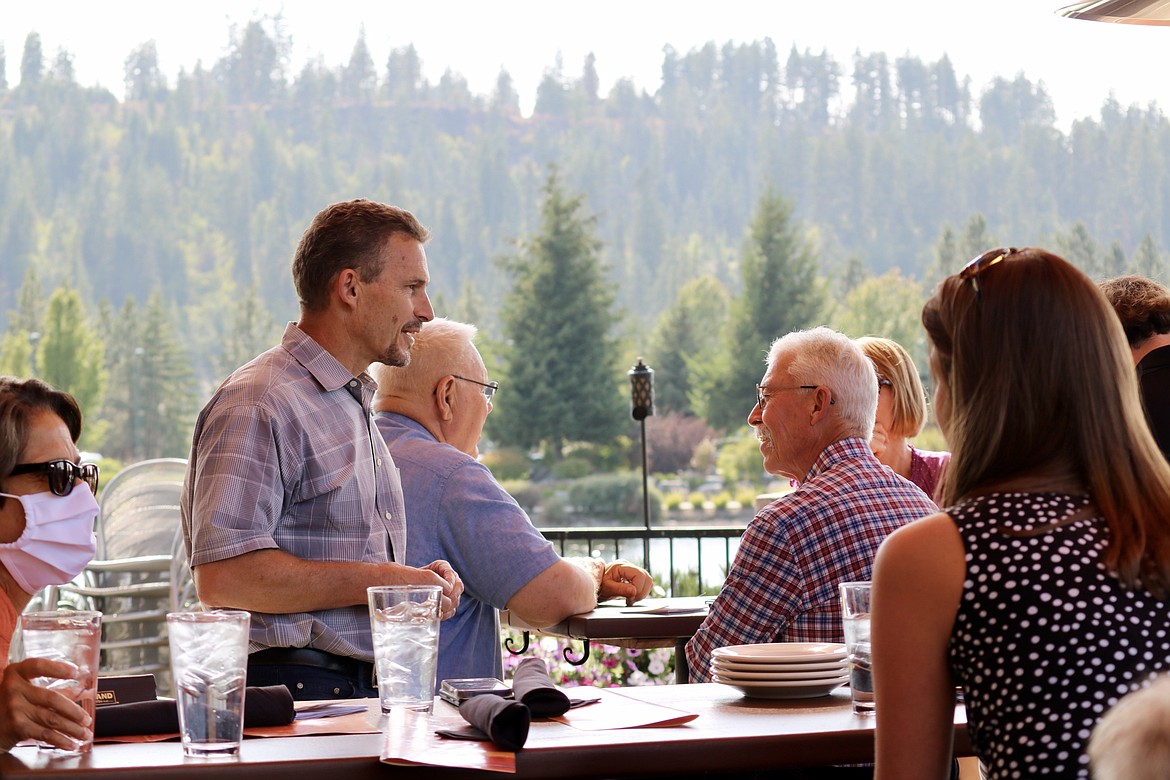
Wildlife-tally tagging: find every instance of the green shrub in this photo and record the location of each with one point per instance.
(527, 495)
(746, 496)
(507, 463)
(931, 438)
(740, 461)
(721, 499)
(602, 457)
(672, 500)
(553, 512)
(614, 497)
(572, 468)
(696, 498)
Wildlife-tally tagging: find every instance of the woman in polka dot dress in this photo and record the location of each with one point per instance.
(1041, 589)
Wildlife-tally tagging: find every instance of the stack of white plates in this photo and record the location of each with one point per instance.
(782, 670)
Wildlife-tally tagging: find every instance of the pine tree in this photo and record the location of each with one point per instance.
(686, 334)
(562, 375)
(781, 293)
(166, 397)
(152, 401)
(252, 331)
(70, 358)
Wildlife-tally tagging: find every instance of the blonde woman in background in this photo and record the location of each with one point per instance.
(901, 414)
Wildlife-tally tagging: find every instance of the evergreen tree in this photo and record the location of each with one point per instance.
(144, 79)
(32, 62)
(253, 330)
(781, 293)
(166, 399)
(30, 306)
(504, 98)
(561, 359)
(70, 358)
(946, 257)
(687, 334)
(1148, 261)
(359, 79)
(404, 78)
(1079, 248)
(124, 353)
(15, 354)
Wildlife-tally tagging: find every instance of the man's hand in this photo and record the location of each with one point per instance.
(623, 579)
(31, 712)
(452, 587)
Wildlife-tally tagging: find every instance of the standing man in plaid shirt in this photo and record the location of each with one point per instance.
(292, 505)
(814, 417)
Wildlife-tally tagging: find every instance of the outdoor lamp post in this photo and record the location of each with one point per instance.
(641, 407)
(34, 339)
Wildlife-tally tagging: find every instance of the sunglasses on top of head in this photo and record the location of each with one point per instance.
(981, 263)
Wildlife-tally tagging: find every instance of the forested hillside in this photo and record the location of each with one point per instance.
(183, 202)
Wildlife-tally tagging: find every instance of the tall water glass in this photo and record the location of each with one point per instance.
(855, 616)
(405, 623)
(209, 661)
(73, 636)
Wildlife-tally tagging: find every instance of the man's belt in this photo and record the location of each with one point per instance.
(361, 672)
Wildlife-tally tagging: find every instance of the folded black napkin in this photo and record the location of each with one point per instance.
(532, 685)
(503, 721)
(270, 705)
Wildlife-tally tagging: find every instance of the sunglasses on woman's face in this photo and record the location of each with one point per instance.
(63, 474)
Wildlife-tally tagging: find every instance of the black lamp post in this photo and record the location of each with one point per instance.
(641, 407)
(34, 340)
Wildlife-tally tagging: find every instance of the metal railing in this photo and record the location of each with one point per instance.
(685, 561)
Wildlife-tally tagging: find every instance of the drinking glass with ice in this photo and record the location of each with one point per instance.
(209, 659)
(404, 620)
(73, 636)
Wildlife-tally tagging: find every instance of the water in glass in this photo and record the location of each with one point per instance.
(406, 646)
(74, 637)
(209, 660)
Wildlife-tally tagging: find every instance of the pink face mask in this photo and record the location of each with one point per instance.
(58, 539)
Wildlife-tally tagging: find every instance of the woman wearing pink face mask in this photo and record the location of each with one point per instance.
(47, 509)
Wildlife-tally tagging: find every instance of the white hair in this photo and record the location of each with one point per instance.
(1132, 740)
(822, 356)
(441, 347)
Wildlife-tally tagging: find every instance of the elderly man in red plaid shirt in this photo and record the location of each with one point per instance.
(814, 417)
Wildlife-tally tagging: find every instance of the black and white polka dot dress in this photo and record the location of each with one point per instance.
(1046, 639)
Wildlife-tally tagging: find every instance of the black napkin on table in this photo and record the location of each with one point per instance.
(503, 721)
(532, 685)
(270, 705)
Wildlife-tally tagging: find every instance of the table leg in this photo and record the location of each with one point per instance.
(682, 674)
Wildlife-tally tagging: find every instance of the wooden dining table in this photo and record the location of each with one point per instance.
(730, 733)
(663, 622)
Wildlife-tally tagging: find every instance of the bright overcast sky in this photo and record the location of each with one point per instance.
(1080, 62)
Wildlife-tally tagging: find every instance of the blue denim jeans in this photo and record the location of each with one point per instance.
(309, 683)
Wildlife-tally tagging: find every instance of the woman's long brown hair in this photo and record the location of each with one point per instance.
(1038, 380)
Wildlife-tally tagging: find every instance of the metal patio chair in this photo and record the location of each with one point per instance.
(132, 578)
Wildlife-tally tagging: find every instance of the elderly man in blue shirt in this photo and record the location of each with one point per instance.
(431, 413)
